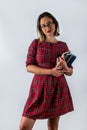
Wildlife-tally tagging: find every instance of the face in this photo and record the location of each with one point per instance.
(47, 26)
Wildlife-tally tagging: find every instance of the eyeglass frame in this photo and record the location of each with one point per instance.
(49, 24)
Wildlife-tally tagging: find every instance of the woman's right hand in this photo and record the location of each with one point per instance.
(57, 72)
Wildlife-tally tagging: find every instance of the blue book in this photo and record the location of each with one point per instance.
(69, 58)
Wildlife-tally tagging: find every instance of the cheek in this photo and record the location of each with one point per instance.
(54, 28)
(44, 31)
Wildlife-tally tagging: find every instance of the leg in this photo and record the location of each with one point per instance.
(26, 123)
(53, 123)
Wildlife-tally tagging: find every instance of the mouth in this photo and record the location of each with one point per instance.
(48, 31)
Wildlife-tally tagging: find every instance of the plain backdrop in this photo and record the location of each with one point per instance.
(17, 29)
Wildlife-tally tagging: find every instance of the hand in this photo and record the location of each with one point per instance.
(61, 63)
(57, 72)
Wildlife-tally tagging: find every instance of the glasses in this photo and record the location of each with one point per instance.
(49, 24)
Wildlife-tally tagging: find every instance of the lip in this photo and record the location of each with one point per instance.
(49, 31)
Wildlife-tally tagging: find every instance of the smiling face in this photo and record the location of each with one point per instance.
(47, 26)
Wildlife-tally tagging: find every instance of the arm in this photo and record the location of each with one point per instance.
(69, 71)
(61, 63)
(31, 63)
(37, 70)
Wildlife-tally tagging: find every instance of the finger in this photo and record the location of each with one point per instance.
(59, 67)
(62, 58)
(57, 60)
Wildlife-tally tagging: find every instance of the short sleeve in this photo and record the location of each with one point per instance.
(31, 55)
(66, 47)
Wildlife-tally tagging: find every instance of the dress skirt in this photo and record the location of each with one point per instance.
(49, 96)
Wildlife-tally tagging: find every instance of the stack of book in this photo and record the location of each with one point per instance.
(69, 58)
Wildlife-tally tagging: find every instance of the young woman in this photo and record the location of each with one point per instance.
(49, 96)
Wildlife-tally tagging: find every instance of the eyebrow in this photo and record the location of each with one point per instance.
(46, 23)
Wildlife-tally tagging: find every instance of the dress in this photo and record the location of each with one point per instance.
(49, 96)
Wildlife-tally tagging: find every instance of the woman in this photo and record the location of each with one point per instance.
(49, 96)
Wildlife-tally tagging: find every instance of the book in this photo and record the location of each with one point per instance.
(69, 58)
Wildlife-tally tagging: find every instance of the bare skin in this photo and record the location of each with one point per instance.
(37, 70)
(61, 64)
(53, 123)
(26, 123)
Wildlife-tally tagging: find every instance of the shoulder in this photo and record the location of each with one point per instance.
(63, 45)
(34, 42)
(62, 42)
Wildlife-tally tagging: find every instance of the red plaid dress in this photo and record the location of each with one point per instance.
(49, 96)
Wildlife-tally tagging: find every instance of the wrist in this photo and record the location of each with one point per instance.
(50, 71)
(69, 71)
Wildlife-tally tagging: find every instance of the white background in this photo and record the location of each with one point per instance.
(17, 29)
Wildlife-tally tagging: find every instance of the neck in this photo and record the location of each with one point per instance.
(51, 39)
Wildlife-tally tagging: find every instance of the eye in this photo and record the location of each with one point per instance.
(43, 26)
(49, 23)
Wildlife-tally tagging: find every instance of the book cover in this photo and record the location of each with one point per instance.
(69, 58)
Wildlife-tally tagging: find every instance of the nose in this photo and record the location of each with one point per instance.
(47, 27)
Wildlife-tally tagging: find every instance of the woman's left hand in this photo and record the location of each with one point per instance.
(61, 63)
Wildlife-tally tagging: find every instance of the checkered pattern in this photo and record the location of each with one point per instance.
(49, 96)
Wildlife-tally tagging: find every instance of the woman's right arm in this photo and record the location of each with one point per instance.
(43, 71)
(31, 63)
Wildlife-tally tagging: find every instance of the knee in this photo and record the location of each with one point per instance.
(22, 127)
(51, 127)
(53, 123)
(26, 123)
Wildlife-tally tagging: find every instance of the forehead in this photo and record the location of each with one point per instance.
(45, 20)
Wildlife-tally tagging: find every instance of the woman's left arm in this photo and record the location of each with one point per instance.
(68, 71)
(61, 63)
